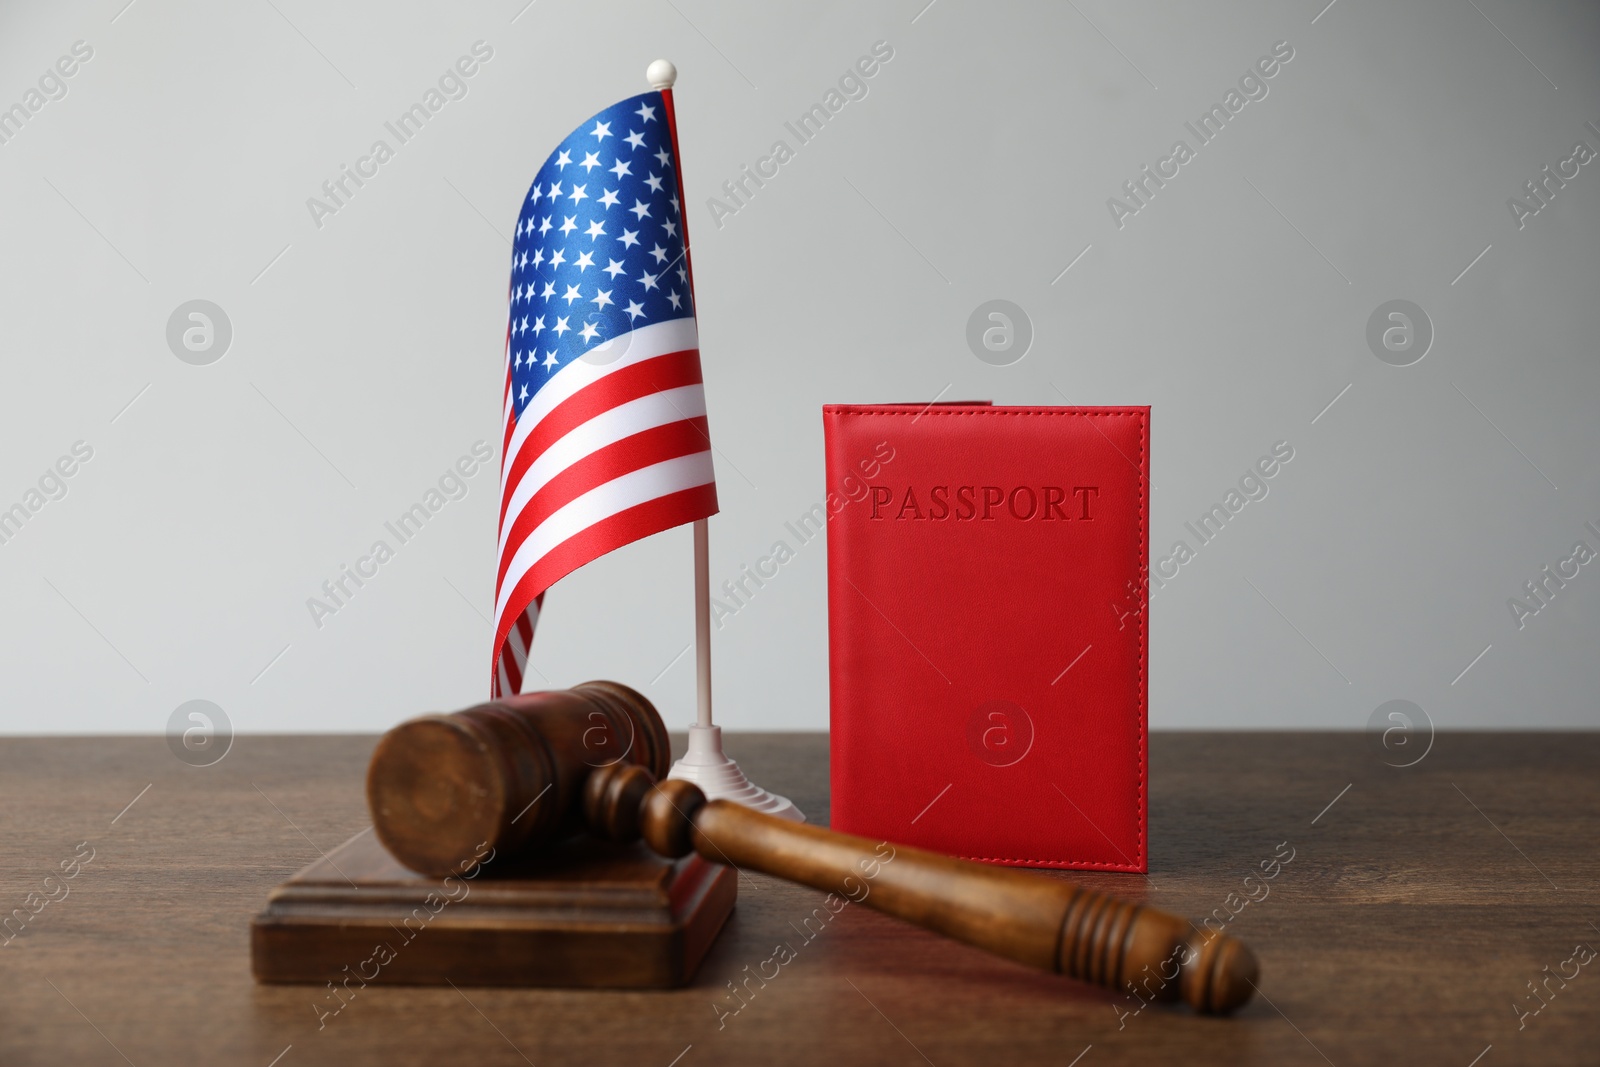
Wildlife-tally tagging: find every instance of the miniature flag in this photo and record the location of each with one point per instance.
(605, 417)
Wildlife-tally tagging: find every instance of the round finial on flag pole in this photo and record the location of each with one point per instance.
(662, 74)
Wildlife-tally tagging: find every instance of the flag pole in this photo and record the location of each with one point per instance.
(702, 622)
(705, 764)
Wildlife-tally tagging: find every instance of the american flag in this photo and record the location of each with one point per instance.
(605, 417)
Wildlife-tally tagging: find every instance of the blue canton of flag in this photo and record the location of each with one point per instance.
(599, 246)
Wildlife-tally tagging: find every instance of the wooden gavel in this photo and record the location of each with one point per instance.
(530, 769)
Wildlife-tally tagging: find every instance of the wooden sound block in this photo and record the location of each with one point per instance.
(585, 913)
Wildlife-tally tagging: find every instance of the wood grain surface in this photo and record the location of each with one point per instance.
(1400, 915)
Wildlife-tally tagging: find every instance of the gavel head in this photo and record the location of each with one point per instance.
(507, 775)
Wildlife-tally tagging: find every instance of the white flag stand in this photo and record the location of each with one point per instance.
(705, 764)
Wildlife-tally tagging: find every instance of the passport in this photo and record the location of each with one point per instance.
(987, 644)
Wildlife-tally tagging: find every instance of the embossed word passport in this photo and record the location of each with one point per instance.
(987, 629)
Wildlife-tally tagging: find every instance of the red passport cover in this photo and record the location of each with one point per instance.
(986, 629)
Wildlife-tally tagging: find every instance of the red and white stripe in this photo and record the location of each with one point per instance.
(604, 454)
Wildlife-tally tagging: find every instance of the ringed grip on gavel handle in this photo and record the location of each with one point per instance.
(526, 770)
(1042, 922)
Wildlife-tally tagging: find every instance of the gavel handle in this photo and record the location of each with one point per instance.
(1042, 922)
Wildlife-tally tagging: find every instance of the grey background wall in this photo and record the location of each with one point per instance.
(176, 163)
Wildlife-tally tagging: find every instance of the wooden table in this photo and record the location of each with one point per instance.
(1418, 906)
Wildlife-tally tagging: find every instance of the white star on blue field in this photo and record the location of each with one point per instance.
(599, 244)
